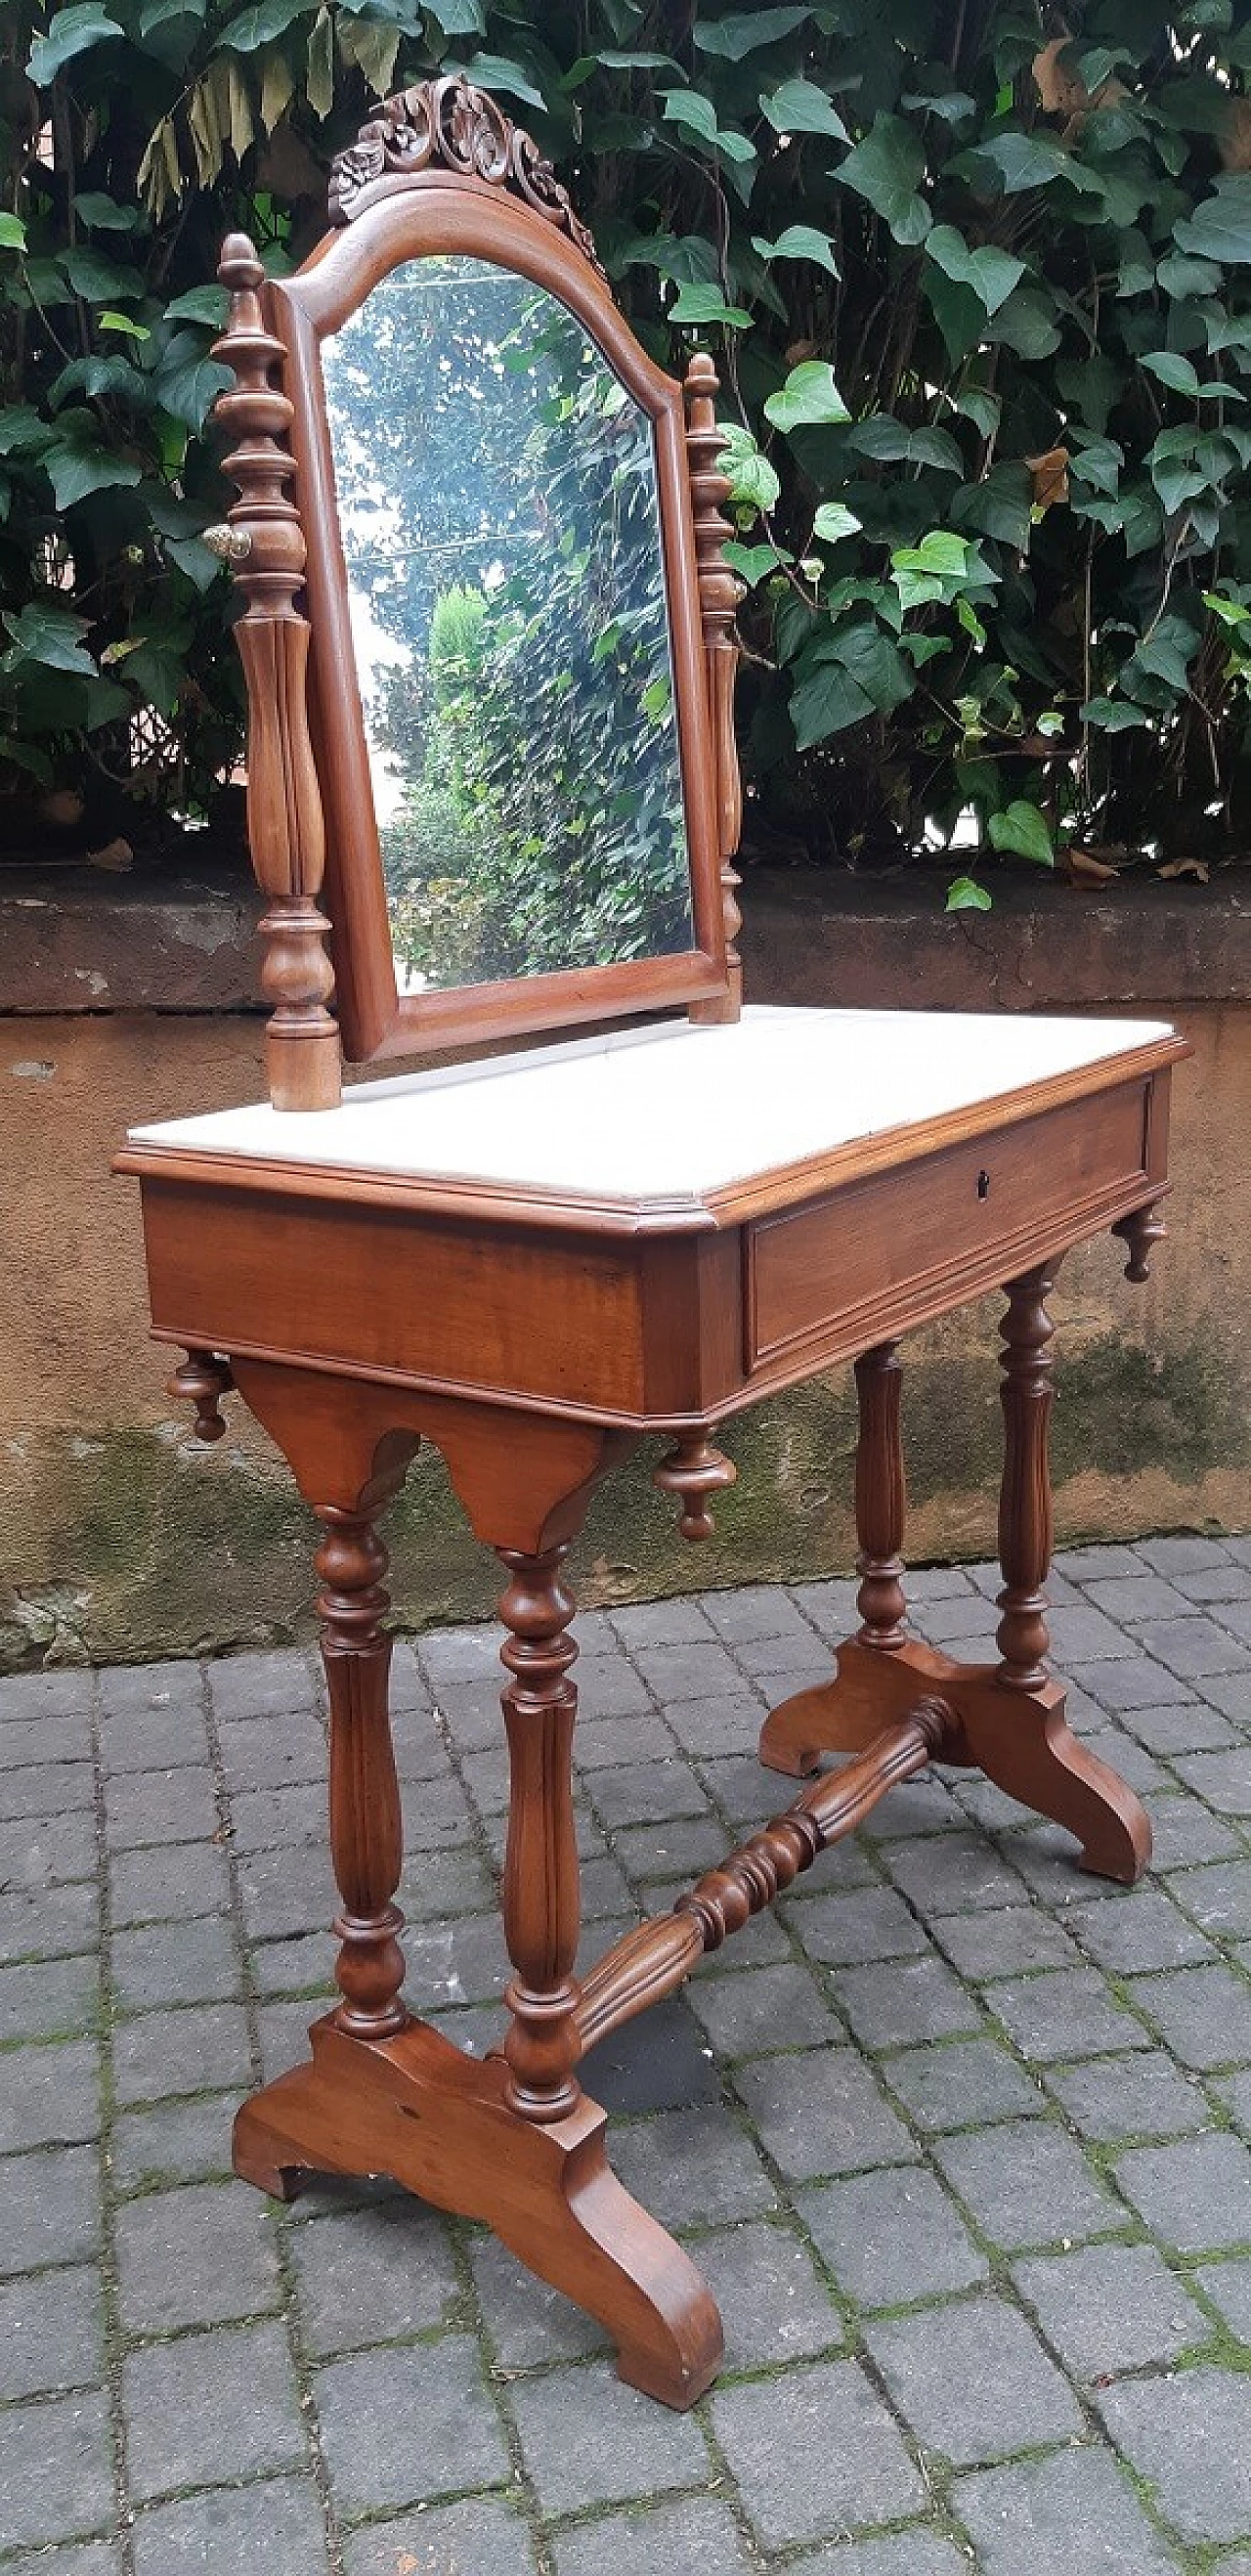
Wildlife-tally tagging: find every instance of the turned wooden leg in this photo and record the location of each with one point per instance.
(1025, 1493)
(541, 1877)
(366, 1835)
(880, 1499)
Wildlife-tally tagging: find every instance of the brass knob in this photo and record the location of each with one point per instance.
(230, 545)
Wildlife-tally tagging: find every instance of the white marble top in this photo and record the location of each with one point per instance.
(671, 1109)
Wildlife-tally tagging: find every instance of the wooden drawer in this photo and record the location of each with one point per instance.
(912, 1241)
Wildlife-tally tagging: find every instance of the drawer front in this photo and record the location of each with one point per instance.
(949, 1225)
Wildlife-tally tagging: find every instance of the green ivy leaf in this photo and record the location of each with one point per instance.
(826, 702)
(1220, 227)
(12, 233)
(102, 214)
(52, 636)
(186, 383)
(72, 31)
(696, 304)
(753, 563)
(964, 894)
(1023, 829)
(886, 169)
(991, 273)
(260, 22)
(754, 483)
(688, 108)
(1112, 715)
(808, 399)
(208, 304)
(458, 17)
(99, 280)
(891, 442)
(736, 36)
(1172, 370)
(82, 465)
(800, 107)
(832, 523)
(799, 241)
(1021, 161)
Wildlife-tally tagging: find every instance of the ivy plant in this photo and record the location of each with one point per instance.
(976, 274)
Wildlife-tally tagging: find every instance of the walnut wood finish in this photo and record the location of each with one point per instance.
(1025, 1494)
(266, 547)
(720, 591)
(694, 1471)
(880, 1499)
(1140, 1232)
(202, 1380)
(541, 1900)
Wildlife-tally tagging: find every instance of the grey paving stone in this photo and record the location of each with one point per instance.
(261, 1685)
(662, 1623)
(814, 2452)
(1143, 1929)
(1083, 1636)
(1096, 1564)
(375, 2276)
(972, 2379)
(1228, 2285)
(82, 2558)
(1196, 2195)
(207, 2409)
(264, 1819)
(174, 2142)
(49, 1999)
(1189, 1727)
(954, 1874)
(1133, 1681)
(1193, 1647)
(271, 1752)
(527, 2322)
(1130, 1760)
(1028, 2184)
(659, 2062)
(479, 2536)
(774, 2304)
(1190, 2436)
(647, 1792)
(49, 1922)
(1183, 1555)
(822, 2114)
(1203, 2013)
(56, 2470)
(843, 1930)
(195, 2257)
(1185, 1833)
(890, 2237)
(155, 1738)
(1235, 2090)
(284, 1895)
(1107, 2308)
(1070, 2014)
(1130, 1597)
(176, 1963)
(127, 1689)
(1218, 1895)
(1224, 1779)
(895, 2001)
(52, 2209)
(1111, 2098)
(52, 1694)
(437, 2432)
(1231, 1693)
(1075, 2514)
(159, 1807)
(181, 2052)
(831, 1605)
(51, 2332)
(709, 1727)
(951, 2086)
(50, 2096)
(692, 2168)
(609, 1687)
(1003, 1943)
(276, 2524)
(921, 1806)
(1216, 1583)
(678, 1850)
(699, 1670)
(627, 2446)
(697, 2537)
(154, 1886)
(602, 1743)
(902, 2553)
(46, 1850)
(41, 1789)
(762, 2009)
(968, 1618)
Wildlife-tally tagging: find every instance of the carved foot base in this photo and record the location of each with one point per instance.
(1020, 1739)
(415, 2108)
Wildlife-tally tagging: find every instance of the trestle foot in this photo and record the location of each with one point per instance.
(440, 2123)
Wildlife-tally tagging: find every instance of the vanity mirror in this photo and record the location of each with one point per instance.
(490, 661)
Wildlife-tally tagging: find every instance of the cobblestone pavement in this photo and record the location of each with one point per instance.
(959, 2137)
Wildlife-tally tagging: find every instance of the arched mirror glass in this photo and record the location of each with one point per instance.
(501, 533)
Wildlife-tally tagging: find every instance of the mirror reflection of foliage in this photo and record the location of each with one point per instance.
(530, 721)
(1019, 231)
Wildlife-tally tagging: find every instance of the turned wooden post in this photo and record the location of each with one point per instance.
(202, 1379)
(366, 1838)
(541, 1878)
(1025, 1494)
(720, 591)
(880, 1499)
(264, 543)
(694, 1471)
(1140, 1233)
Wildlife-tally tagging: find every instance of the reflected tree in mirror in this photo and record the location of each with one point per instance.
(498, 508)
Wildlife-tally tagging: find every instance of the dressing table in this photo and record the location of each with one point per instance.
(493, 797)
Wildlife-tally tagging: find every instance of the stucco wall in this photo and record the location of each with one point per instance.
(120, 1537)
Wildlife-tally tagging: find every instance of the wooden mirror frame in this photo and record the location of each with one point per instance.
(440, 170)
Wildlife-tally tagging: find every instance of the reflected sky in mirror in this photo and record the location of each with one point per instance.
(501, 531)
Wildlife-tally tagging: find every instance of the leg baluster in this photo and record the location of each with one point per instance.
(541, 1890)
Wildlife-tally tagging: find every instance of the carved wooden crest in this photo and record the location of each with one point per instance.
(448, 124)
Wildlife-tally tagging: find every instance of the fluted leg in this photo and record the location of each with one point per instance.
(541, 1893)
(1025, 1494)
(366, 1840)
(880, 1499)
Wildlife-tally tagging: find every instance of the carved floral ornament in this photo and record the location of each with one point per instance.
(448, 124)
